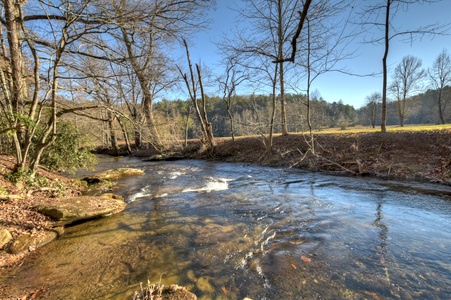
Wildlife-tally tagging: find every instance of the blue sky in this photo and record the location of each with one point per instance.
(336, 86)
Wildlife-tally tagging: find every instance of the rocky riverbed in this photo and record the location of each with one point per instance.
(32, 216)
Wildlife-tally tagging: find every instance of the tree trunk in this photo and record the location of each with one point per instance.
(113, 138)
(282, 101)
(145, 86)
(125, 134)
(385, 69)
(280, 40)
(187, 125)
(273, 112)
(309, 82)
(138, 140)
(12, 16)
(400, 113)
(148, 112)
(440, 108)
(207, 128)
(229, 113)
(374, 115)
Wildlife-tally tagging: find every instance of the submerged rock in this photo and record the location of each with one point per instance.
(65, 211)
(113, 174)
(173, 292)
(112, 196)
(70, 210)
(28, 242)
(205, 286)
(165, 157)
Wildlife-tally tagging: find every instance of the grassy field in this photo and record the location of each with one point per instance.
(366, 129)
(357, 129)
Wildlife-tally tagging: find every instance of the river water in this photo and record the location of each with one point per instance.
(230, 231)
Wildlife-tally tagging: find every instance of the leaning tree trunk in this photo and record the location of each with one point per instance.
(150, 120)
(207, 127)
(229, 114)
(125, 134)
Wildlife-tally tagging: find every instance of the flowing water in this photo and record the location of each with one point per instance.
(230, 231)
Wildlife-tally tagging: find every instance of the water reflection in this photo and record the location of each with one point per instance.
(231, 231)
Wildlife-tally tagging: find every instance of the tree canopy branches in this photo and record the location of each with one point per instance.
(294, 42)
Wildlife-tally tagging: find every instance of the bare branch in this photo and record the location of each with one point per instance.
(302, 18)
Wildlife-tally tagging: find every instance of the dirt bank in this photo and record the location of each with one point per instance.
(420, 156)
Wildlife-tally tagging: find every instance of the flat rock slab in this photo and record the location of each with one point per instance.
(25, 244)
(70, 210)
(113, 174)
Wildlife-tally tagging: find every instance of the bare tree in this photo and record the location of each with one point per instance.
(263, 73)
(381, 15)
(407, 78)
(193, 85)
(141, 30)
(137, 36)
(38, 37)
(271, 25)
(31, 89)
(323, 44)
(440, 77)
(294, 41)
(228, 84)
(372, 107)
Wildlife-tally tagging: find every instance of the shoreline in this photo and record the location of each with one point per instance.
(406, 156)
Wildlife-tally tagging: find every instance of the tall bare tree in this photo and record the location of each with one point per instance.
(194, 85)
(324, 44)
(228, 84)
(440, 77)
(143, 32)
(271, 27)
(407, 78)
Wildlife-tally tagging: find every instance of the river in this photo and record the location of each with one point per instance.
(230, 231)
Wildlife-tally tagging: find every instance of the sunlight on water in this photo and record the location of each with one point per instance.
(230, 231)
(144, 192)
(214, 184)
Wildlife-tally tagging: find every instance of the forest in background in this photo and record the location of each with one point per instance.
(251, 114)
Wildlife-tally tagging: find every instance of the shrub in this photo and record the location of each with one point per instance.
(65, 154)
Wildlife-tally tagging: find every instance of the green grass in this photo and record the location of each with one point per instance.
(359, 129)
(368, 129)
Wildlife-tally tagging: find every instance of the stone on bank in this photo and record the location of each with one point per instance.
(69, 210)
